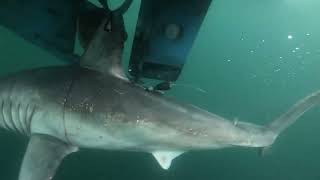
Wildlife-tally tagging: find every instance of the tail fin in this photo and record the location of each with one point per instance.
(297, 110)
(288, 118)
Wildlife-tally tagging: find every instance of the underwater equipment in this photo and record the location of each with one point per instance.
(164, 34)
(49, 24)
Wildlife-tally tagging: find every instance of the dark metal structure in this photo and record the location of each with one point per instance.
(50, 24)
(165, 30)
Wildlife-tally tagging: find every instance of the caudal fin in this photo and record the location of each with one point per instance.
(297, 110)
(288, 118)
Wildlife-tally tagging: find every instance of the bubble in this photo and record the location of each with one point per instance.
(268, 81)
(253, 76)
(290, 36)
(242, 38)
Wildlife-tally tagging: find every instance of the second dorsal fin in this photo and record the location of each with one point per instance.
(165, 158)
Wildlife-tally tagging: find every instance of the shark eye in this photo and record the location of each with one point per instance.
(108, 26)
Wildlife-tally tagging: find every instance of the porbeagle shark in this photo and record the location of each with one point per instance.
(93, 105)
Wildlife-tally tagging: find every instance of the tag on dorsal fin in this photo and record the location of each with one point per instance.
(104, 52)
(43, 156)
(165, 158)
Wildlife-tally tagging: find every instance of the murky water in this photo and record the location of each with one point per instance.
(252, 60)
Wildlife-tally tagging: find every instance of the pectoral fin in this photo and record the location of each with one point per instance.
(43, 156)
(165, 158)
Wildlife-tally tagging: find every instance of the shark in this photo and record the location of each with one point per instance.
(93, 104)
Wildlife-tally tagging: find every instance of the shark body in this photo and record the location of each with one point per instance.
(94, 105)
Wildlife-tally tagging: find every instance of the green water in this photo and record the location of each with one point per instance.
(252, 58)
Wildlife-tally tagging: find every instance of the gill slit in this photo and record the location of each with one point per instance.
(3, 117)
(29, 118)
(21, 124)
(14, 125)
(10, 110)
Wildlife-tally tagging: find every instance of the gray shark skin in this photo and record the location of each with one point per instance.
(93, 105)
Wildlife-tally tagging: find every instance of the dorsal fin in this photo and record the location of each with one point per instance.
(104, 53)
